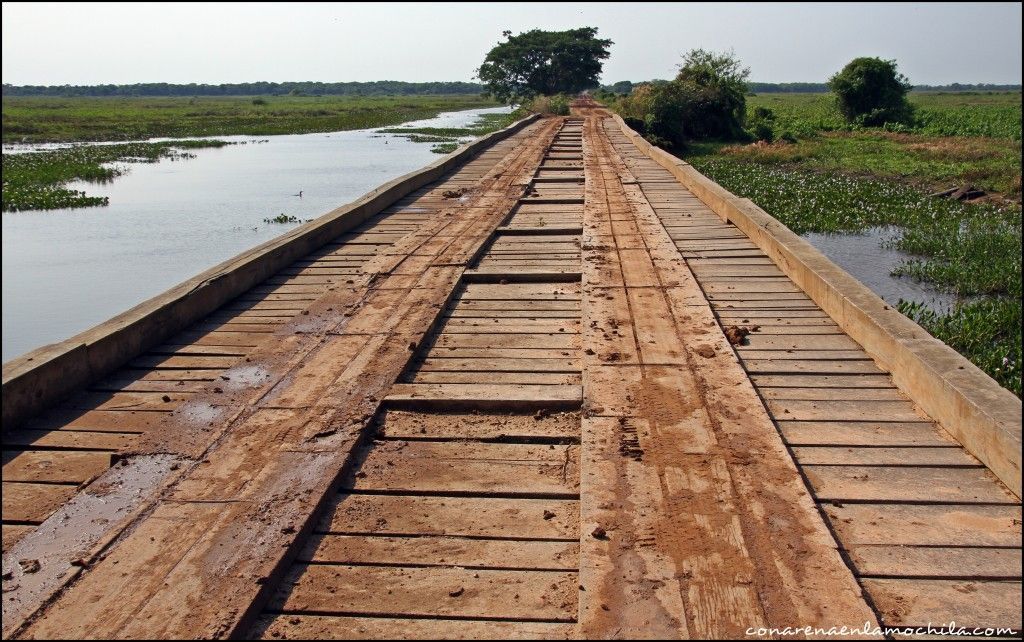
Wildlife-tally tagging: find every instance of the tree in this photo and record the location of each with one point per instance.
(543, 63)
(869, 91)
(716, 84)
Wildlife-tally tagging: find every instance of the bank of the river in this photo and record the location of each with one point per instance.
(66, 270)
(48, 119)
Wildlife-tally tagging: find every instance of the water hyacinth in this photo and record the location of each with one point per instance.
(972, 250)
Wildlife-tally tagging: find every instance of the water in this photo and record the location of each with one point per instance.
(867, 260)
(64, 271)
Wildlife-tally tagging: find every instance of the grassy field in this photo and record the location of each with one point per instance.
(32, 119)
(837, 178)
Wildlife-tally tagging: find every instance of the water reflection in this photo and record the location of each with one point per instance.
(66, 270)
(867, 259)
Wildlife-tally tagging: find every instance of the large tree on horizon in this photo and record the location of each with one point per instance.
(543, 63)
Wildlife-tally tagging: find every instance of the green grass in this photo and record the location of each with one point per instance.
(995, 115)
(35, 119)
(971, 250)
(36, 180)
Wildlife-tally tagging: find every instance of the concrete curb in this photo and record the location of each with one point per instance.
(43, 377)
(983, 416)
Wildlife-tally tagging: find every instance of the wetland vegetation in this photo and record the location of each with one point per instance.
(34, 119)
(841, 178)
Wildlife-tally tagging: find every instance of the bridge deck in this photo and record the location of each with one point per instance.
(507, 406)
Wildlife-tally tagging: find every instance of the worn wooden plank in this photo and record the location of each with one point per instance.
(454, 516)
(54, 466)
(526, 595)
(451, 467)
(887, 483)
(441, 551)
(925, 524)
(936, 562)
(906, 602)
(312, 627)
(27, 502)
(950, 455)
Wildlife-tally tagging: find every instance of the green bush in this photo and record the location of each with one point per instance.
(706, 101)
(761, 124)
(870, 92)
(557, 105)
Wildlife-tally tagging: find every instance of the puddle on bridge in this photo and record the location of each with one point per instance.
(64, 271)
(866, 257)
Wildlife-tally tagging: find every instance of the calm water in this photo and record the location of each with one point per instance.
(64, 271)
(864, 257)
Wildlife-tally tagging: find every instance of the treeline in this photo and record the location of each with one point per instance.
(376, 88)
(822, 88)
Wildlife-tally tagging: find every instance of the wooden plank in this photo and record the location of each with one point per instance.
(559, 341)
(849, 433)
(498, 378)
(397, 424)
(885, 483)
(834, 393)
(936, 562)
(324, 588)
(430, 550)
(809, 366)
(441, 363)
(843, 410)
(904, 602)
(492, 517)
(454, 467)
(12, 534)
(54, 466)
(484, 396)
(26, 502)
(327, 627)
(822, 381)
(69, 440)
(925, 525)
(951, 455)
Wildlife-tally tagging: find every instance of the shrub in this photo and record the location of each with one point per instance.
(761, 124)
(869, 91)
(557, 105)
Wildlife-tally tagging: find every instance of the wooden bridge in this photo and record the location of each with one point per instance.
(557, 384)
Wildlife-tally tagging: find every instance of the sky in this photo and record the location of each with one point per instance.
(124, 43)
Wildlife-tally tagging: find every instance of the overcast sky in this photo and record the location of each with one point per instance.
(84, 44)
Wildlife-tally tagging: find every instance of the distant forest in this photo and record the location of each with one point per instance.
(376, 88)
(386, 88)
(822, 88)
